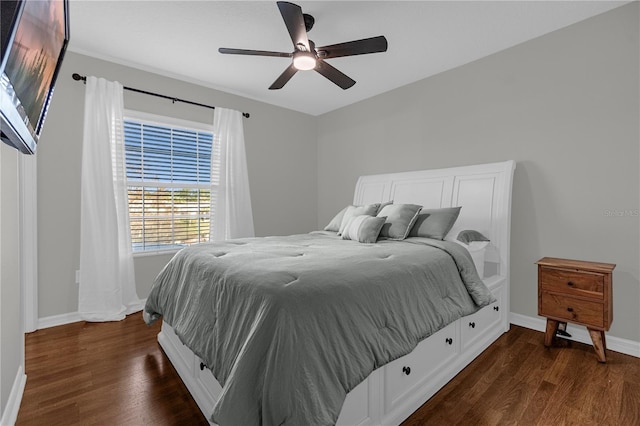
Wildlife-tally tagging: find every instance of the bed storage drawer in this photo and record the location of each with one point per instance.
(360, 407)
(405, 375)
(181, 350)
(205, 378)
(475, 326)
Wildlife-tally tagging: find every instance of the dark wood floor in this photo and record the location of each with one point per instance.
(103, 374)
(517, 381)
(116, 374)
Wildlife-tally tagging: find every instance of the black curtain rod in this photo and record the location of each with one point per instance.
(78, 77)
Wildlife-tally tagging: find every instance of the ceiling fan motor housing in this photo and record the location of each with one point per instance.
(308, 21)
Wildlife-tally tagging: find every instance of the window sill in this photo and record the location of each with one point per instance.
(147, 253)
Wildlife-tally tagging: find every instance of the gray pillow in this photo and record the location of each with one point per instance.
(469, 236)
(400, 219)
(353, 211)
(364, 228)
(435, 223)
(382, 205)
(334, 225)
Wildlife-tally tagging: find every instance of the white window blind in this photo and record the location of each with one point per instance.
(169, 184)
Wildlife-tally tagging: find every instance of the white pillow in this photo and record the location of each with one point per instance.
(477, 250)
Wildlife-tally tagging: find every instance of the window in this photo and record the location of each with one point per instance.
(168, 182)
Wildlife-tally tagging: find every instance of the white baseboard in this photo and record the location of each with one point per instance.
(579, 334)
(56, 320)
(10, 413)
(71, 317)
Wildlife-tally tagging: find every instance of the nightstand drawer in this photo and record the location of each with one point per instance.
(570, 282)
(570, 309)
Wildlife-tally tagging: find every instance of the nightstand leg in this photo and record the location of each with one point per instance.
(552, 327)
(599, 343)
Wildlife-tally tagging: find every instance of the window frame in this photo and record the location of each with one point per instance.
(171, 122)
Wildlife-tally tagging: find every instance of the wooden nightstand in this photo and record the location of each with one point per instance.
(578, 292)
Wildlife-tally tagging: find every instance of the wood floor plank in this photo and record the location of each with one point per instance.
(117, 374)
(630, 403)
(555, 410)
(536, 404)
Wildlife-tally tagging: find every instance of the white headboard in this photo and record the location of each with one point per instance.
(483, 191)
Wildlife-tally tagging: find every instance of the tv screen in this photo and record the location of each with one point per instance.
(32, 53)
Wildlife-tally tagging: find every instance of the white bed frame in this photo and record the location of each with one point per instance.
(393, 392)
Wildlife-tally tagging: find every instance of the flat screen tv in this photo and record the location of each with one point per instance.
(34, 38)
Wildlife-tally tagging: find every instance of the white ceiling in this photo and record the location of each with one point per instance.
(181, 39)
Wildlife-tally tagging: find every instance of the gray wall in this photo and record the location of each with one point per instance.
(11, 335)
(564, 106)
(282, 170)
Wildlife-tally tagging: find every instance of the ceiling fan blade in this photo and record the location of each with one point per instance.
(356, 47)
(334, 75)
(293, 19)
(226, 50)
(284, 78)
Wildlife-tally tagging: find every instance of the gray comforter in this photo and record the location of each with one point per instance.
(289, 325)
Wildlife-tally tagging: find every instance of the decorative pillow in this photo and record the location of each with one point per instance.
(363, 228)
(353, 211)
(468, 236)
(400, 219)
(435, 223)
(334, 225)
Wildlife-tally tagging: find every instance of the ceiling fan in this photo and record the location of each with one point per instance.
(306, 56)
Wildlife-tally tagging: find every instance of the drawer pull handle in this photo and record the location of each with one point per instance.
(570, 309)
(472, 324)
(496, 308)
(449, 340)
(570, 284)
(202, 366)
(406, 370)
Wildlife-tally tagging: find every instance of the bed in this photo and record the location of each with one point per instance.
(363, 341)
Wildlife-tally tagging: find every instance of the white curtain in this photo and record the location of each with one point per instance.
(107, 282)
(231, 215)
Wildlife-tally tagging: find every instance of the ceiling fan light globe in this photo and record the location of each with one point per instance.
(304, 61)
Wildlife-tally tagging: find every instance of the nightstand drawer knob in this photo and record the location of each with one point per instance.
(449, 340)
(496, 308)
(472, 324)
(406, 370)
